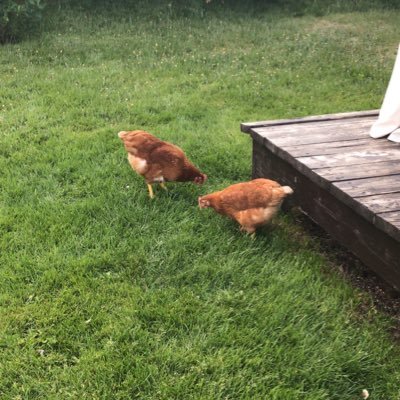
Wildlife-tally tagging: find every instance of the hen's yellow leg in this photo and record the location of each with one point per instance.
(151, 193)
(163, 186)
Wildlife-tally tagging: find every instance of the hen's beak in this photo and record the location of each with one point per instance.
(121, 134)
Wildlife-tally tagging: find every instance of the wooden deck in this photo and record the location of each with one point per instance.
(344, 180)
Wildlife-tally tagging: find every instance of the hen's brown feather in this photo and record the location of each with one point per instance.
(251, 204)
(157, 160)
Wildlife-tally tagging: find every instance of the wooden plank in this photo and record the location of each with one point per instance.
(364, 211)
(315, 138)
(314, 127)
(336, 126)
(382, 202)
(248, 126)
(373, 246)
(361, 157)
(370, 186)
(314, 135)
(381, 168)
(393, 216)
(317, 149)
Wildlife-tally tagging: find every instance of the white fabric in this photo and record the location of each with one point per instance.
(395, 136)
(389, 115)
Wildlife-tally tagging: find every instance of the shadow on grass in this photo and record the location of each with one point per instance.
(342, 262)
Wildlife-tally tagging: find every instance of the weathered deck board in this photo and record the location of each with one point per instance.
(351, 157)
(248, 126)
(381, 203)
(290, 136)
(326, 148)
(370, 186)
(381, 168)
(346, 181)
(392, 216)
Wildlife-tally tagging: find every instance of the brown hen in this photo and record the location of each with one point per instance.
(158, 161)
(252, 204)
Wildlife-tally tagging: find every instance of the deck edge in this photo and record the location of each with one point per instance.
(246, 127)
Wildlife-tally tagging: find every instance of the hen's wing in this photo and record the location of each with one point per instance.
(243, 196)
(259, 203)
(168, 159)
(139, 143)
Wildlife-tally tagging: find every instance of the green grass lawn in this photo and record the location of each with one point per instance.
(105, 294)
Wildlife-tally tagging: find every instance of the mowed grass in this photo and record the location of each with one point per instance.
(106, 294)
